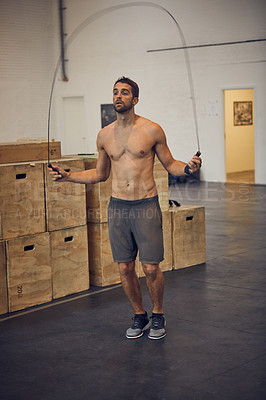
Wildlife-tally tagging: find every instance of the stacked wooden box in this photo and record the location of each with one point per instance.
(28, 271)
(188, 236)
(24, 251)
(67, 224)
(48, 228)
(22, 202)
(31, 150)
(42, 228)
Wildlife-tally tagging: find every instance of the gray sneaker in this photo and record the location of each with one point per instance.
(158, 327)
(141, 323)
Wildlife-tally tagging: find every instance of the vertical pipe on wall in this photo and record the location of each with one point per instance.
(62, 39)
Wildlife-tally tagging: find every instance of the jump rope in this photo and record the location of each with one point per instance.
(100, 14)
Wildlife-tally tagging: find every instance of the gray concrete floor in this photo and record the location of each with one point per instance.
(215, 346)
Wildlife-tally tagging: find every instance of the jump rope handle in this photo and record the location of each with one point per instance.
(54, 169)
(198, 153)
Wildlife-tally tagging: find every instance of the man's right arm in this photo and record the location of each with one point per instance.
(174, 167)
(98, 174)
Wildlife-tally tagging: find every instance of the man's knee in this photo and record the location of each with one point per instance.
(126, 268)
(150, 270)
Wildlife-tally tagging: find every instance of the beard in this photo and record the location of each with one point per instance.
(123, 109)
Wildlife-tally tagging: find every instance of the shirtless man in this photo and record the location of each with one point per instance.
(128, 146)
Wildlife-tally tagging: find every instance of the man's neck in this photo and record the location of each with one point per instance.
(126, 119)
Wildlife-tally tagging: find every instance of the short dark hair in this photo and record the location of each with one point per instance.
(134, 85)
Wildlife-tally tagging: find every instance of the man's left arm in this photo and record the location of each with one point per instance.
(174, 167)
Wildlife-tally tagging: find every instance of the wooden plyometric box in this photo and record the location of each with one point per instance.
(28, 271)
(29, 151)
(97, 195)
(189, 242)
(103, 270)
(22, 206)
(3, 280)
(69, 261)
(167, 263)
(161, 180)
(65, 201)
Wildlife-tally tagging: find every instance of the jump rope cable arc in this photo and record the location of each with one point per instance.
(108, 10)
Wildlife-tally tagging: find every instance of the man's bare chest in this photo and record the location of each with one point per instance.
(135, 145)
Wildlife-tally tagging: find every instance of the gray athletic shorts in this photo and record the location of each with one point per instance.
(136, 225)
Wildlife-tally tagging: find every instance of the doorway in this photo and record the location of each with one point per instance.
(239, 135)
(75, 137)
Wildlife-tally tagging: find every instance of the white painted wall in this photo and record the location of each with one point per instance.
(27, 37)
(116, 44)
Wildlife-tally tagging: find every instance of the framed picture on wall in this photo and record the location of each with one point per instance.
(108, 114)
(243, 113)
